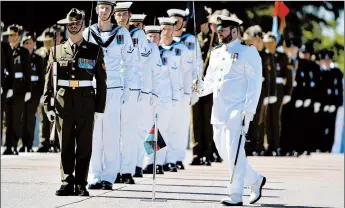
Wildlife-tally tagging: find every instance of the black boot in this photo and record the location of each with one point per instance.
(138, 172)
(95, 186)
(207, 161)
(148, 169)
(107, 185)
(118, 178)
(179, 165)
(8, 151)
(170, 167)
(22, 149)
(159, 169)
(197, 161)
(81, 191)
(43, 149)
(65, 190)
(127, 178)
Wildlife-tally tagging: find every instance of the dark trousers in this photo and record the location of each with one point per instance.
(29, 117)
(44, 127)
(202, 132)
(14, 109)
(75, 135)
(3, 99)
(273, 121)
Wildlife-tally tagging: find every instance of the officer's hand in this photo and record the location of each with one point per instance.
(98, 116)
(125, 95)
(326, 108)
(154, 100)
(286, 99)
(9, 93)
(42, 100)
(317, 106)
(198, 85)
(331, 108)
(307, 103)
(247, 117)
(272, 99)
(265, 101)
(298, 103)
(194, 98)
(51, 116)
(27, 96)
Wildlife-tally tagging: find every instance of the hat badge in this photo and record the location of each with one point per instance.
(219, 21)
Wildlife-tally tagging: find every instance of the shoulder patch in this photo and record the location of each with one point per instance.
(244, 43)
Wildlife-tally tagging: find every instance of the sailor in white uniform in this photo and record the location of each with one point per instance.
(133, 93)
(194, 53)
(118, 56)
(234, 77)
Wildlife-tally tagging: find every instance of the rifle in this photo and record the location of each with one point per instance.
(54, 75)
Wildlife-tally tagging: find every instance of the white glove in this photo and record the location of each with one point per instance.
(42, 100)
(272, 99)
(331, 108)
(98, 116)
(266, 101)
(298, 103)
(247, 117)
(194, 98)
(154, 100)
(326, 108)
(286, 99)
(198, 85)
(51, 116)
(9, 93)
(27, 96)
(1, 90)
(125, 95)
(317, 107)
(307, 103)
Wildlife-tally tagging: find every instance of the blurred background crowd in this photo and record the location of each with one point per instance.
(302, 48)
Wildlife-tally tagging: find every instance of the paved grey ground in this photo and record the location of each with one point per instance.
(30, 180)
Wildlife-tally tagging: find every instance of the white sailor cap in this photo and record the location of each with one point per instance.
(166, 20)
(122, 6)
(152, 29)
(137, 18)
(176, 12)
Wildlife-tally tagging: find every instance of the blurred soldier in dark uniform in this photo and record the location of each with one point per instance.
(201, 128)
(289, 132)
(37, 82)
(6, 75)
(283, 82)
(21, 90)
(254, 35)
(47, 38)
(76, 102)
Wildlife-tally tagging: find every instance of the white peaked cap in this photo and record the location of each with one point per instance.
(152, 29)
(137, 18)
(176, 12)
(122, 6)
(166, 20)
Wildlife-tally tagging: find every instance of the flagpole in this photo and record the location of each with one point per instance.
(154, 158)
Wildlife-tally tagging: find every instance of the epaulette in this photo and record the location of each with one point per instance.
(218, 46)
(244, 43)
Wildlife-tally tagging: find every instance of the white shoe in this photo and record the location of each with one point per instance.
(232, 200)
(255, 190)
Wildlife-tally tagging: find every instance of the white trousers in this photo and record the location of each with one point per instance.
(105, 158)
(226, 141)
(164, 111)
(129, 136)
(145, 123)
(183, 130)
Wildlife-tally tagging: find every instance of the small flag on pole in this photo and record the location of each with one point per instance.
(149, 141)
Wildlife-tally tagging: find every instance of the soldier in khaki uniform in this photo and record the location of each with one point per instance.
(37, 82)
(76, 102)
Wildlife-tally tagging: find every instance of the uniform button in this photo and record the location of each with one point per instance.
(73, 88)
(73, 61)
(73, 76)
(73, 68)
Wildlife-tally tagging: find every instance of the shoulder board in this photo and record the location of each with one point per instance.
(218, 46)
(244, 43)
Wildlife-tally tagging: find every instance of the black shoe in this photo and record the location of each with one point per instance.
(268, 153)
(8, 151)
(197, 161)
(43, 149)
(95, 186)
(22, 149)
(170, 167)
(207, 161)
(65, 190)
(15, 151)
(81, 191)
(107, 185)
(127, 178)
(138, 172)
(148, 169)
(159, 169)
(118, 178)
(179, 165)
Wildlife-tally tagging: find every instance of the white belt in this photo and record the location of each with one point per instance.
(279, 80)
(18, 75)
(34, 78)
(74, 83)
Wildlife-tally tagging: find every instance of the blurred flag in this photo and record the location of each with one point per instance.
(149, 141)
(280, 10)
